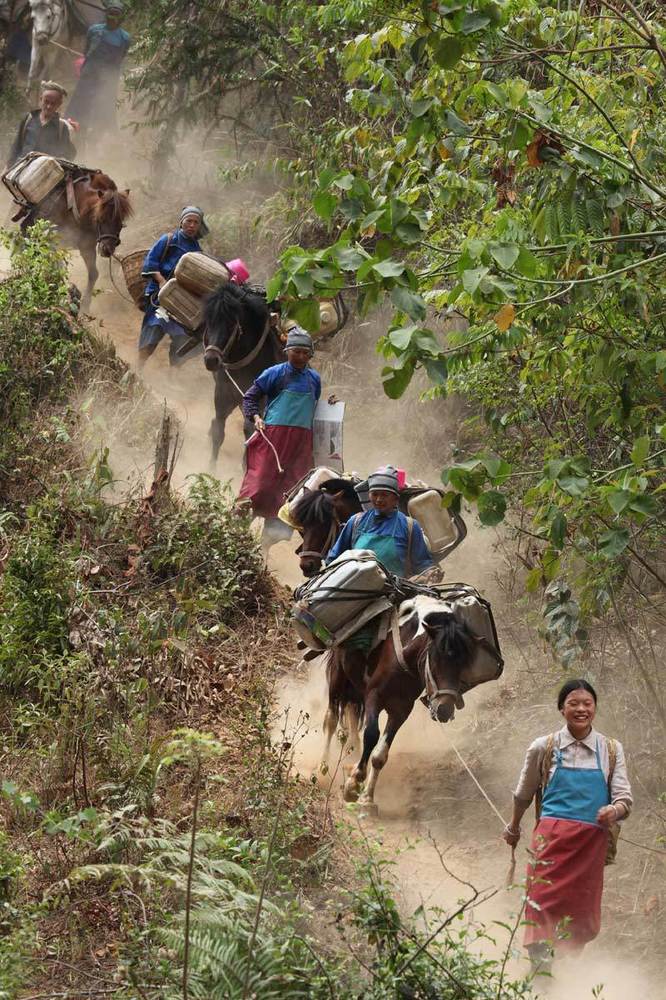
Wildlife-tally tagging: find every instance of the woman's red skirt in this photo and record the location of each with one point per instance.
(263, 484)
(564, 883)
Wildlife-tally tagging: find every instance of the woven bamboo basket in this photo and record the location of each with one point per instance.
(132, 264)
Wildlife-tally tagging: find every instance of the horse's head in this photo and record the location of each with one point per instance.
(230, 312)
(108, 208)
(319, 514)
(45, 18)
(449, 649)
(318, 524)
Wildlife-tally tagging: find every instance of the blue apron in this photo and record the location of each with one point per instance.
(385, 548)
(575, 793)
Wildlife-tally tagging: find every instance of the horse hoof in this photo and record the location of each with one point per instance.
(351, 792)
(368, 809)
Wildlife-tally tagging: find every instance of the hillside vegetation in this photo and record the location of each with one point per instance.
(156, 841)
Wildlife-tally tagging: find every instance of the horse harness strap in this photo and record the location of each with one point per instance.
(249, 358)
(71, 198)
(434, 691)
(397, 641)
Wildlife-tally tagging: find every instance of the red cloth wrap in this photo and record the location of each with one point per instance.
(262, 483)
(567, 881)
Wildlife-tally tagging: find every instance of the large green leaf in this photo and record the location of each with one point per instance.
(491, 506)
(448, 51)
(409, 302)
(613, 543)
(324, 204)
(396, 380)
(389, 268)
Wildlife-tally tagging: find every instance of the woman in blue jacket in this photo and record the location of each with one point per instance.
(158, 267)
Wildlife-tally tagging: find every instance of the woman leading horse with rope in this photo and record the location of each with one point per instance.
(280, 452)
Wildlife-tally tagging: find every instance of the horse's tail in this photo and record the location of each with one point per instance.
(341, 692)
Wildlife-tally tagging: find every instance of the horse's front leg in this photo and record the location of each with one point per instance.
(397, 713)
(225, 403)
(88, 252)
(36, 62)
(355, 781)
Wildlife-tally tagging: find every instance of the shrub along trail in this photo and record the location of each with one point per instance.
(156, 842)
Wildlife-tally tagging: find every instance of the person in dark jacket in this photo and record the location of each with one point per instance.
(93, 103)
(158, 266)
(43, 130)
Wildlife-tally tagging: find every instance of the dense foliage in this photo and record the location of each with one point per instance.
(496, 170)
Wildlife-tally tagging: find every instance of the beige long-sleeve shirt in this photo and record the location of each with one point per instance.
(575, 753)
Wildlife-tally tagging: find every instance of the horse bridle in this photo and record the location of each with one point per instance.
(330, 538)
(429, 682)
(223, 354)
(434, 691)
(101, 237)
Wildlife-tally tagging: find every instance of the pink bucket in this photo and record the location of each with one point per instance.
(402, 478)
(239, 271)
(78, 64)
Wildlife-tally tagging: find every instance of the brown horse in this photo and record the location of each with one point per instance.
(434, 653)
(320, 515)
(89, 212)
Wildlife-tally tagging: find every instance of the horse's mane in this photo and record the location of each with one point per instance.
(230, 305)
(452, 638)
(314, 507)
(114, 205)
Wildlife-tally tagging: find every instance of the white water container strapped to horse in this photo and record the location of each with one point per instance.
(472, 610)
(334, 604)
(33, 178)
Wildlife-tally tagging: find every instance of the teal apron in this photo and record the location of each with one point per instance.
(575, 793)
(385, 548)
(292, 409)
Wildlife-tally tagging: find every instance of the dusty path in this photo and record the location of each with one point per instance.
(424, 795)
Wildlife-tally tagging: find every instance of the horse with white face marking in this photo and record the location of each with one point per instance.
(50, 23)
(429, 650)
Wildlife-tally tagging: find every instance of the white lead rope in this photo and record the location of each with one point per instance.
(269, 443)
(512, 865)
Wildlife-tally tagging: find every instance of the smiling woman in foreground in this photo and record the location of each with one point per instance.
(579, 778)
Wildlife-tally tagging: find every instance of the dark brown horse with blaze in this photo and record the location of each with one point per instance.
(428, 650)
(89, 212)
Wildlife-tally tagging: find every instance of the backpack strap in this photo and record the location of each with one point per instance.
(24, 128)
(166, 248)
(356, 527)
(611, 747)
(410, 535)
(546, 761)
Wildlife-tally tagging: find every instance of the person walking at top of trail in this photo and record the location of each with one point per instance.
(580, 780)
(93, 103)
(158, 266)
(44, 130)
(280, 452)
(397, 540)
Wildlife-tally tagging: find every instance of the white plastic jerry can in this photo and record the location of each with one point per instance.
(313, 482)
(435, 520)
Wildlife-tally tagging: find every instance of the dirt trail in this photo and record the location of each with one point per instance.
(424, 794)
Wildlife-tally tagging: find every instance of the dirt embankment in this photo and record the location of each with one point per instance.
(428, 804)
